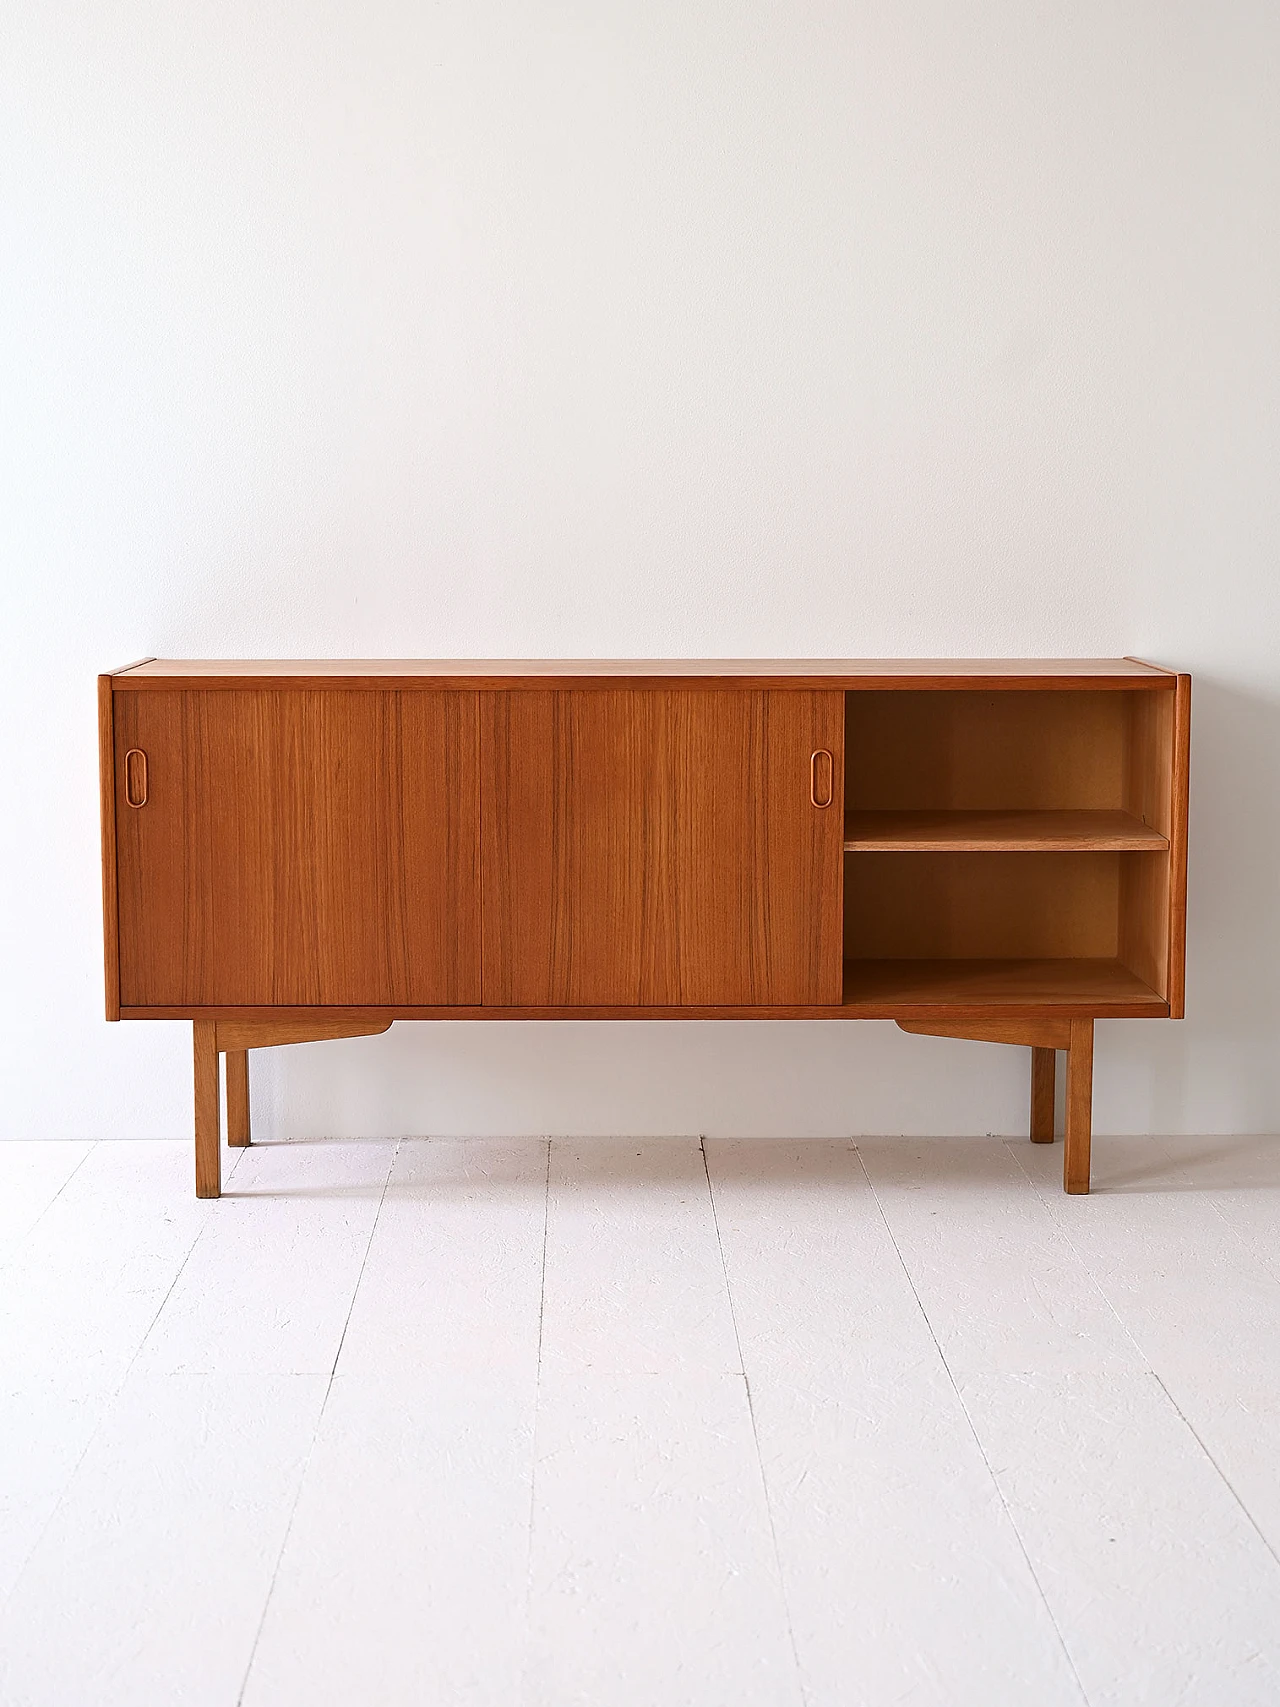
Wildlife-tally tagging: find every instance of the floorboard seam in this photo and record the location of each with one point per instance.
(1150, 1367)
(315, 1433)
(977, 1439)
(90, 1148)
(755, 1432)
(1259, 1256)
(110, 1401)
(537, 1406)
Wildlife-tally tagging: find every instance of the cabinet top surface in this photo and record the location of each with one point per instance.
(547, 672)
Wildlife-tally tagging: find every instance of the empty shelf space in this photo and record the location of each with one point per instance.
(890, 989)
(999, 832)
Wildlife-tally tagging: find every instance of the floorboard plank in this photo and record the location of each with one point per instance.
(32, 1173)
(904, 1577)
(452, 1283)
(1123, 1516)
(653, 1572)
(269, 1287)
(77, 1298)
(149, 1582)
(634, 1283)
(404, 1579)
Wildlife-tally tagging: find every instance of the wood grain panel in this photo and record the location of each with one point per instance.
(241, 1035)
(996, 674)
(107, 807)
(1152, 897)
(1044, 1073)
(982, 905)
(208, 1118)
(1144, 883)
(299, 849)
(239, 1117)
(994, 832)
(920, 989)
(649, 848)
(1079, 1123)
(1044, 1035)
(982, 751)
(1176, 991)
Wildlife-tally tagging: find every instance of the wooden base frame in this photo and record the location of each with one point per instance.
(1044, 1037)
(234, 1039)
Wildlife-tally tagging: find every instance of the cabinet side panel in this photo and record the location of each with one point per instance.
(107, 807)
(1145, 894)
(1179, 815)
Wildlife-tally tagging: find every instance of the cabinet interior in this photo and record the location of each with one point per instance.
(1008, 839)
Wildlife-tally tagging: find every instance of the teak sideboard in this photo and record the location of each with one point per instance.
(296, 850)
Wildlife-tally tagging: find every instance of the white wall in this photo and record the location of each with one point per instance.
(513, 327)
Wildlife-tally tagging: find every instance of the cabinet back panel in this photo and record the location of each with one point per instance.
(987, 751)
(299, 848)
(975, 906)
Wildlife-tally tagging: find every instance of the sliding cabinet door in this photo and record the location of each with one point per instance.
(297, 848)
(648, 848)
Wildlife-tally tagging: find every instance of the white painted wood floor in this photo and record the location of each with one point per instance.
(640, 1423)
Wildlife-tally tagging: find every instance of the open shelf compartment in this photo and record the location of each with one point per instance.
(1008, 849)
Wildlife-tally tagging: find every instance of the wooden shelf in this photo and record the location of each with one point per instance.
(891, 989)
(999, 832)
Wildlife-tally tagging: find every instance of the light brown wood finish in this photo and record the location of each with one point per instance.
(1079, 1127)
(1144, 883)
(856, 674)
(239, 1034)
(310, 856)
(1044, 1067)
(1044, 1034)
(982, 905)
(971, 750)
(659, 848)
(299, 849)
(207, 1119)
(964, 989)
(961, 991)
(1176, 989)
(235, 1038)
(238, 1097)
(999, 832)
(1153, 896)
(107, 803)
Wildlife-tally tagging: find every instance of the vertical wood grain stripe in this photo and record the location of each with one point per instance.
(1178, 850)
(110, 894)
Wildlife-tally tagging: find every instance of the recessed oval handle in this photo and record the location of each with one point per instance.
(135, 777)
(822, 778)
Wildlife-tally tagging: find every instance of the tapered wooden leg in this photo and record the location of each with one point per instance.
(1043, 1073)
(1075, 1160)
(208, 1137)
(237, 1096)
